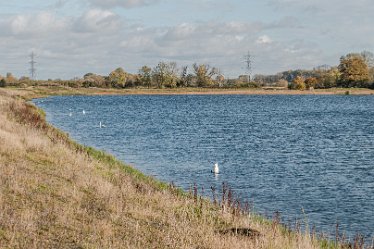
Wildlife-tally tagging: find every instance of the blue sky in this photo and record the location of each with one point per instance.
(73, 37)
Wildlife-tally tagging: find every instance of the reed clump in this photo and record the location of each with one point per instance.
(55, 193)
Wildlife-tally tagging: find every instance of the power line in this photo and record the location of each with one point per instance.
(32, 65)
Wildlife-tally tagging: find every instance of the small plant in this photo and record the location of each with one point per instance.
(276, 223)
(337, 236)
(214, 195)
(195, 192)
(358, 242)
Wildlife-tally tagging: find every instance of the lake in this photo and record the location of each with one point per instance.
(308, 157)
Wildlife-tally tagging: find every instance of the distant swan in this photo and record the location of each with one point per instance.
(70, 114)
(84, 112)
(101, 125)
(215, 169)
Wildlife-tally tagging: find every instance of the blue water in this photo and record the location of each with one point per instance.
(309, 157)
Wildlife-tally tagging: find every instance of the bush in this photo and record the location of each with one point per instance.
(311, 82)
(2, 83)
(282, 83)
(372, 86)
(298, 83)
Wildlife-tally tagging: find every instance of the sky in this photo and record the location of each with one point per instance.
(73, 37)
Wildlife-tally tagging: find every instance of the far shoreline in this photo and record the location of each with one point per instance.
(44, 91)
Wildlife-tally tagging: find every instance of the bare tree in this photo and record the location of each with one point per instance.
(159, 74)
(185, 77)
(368, 57)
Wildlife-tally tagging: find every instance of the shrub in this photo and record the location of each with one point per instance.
(2, 83)
(298, 83)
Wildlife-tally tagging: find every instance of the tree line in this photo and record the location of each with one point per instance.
(163, 75)
(354, 70)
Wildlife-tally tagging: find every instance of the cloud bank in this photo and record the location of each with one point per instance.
(102, 35)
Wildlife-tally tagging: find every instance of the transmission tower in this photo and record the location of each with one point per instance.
(32, 65)
(248, 65)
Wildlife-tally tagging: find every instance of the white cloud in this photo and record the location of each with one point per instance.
(264, 39)
(122, 3)
(217, 43)
(140, 43)
(211, 31)
(35, 25)
(97, 20)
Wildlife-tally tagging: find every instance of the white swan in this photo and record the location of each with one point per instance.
(70, 114)
(101, 125)
(215, 169)
(84, 112)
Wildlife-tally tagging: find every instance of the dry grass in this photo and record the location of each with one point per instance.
(56, 194)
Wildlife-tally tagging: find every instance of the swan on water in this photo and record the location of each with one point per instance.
(215, 169)
(84, 112)
(101, 125)
(70, 114)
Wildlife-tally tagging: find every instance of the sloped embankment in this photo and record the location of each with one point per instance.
(57, 194)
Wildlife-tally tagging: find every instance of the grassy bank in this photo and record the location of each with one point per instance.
(55, 193)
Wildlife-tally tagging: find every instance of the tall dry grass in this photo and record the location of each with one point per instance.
(56, 194)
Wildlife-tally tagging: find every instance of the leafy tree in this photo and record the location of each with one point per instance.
(332, 77)
(298, 83)
(145, 74)
(220, 79)
(93, 80)
(291, 75)
(327, 78)
(26, 81)
(10, 79)
(354, 71)
(165, 74)
(310, 82)
(132, 80)
(159, 74)
(204, 74)
(371, 75)
(369, 60)
(172, 74)
(265, 80)
(243, 81)
(118, 78)
(87, 75)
